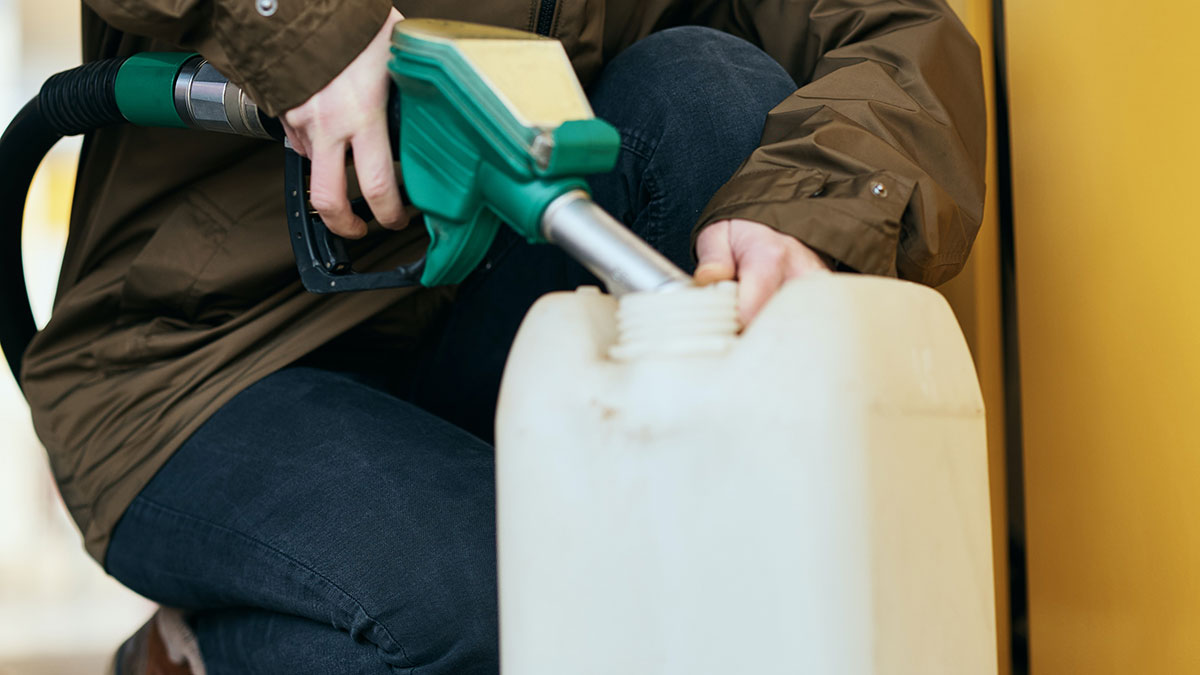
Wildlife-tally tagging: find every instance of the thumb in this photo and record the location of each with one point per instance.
(714, 255)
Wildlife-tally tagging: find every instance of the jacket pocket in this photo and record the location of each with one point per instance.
(204, 266)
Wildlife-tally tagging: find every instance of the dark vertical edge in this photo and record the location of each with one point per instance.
(1013, 427)
(545, 18)
(22, 146)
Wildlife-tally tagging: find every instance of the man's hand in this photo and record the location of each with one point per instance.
(759, 257)
(350, 113)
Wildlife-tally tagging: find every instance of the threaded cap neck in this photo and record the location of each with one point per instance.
(694, 321)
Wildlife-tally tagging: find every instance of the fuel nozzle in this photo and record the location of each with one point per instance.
(493, 129)
(617, 257)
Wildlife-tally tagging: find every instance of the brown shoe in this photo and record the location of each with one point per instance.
(163, 646)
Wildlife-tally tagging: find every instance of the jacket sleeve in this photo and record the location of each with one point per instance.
(878, 160)
(281, 55)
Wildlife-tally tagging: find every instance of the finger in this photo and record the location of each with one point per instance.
(714, 255)
(296, 137)
(376, 176)
(803, 261)
(760, 274)
(329, 192)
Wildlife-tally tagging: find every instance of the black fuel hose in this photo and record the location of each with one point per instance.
(72, 102)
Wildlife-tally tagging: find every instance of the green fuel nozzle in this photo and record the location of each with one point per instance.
(493, 128)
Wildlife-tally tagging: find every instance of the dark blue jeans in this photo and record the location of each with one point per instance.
(334, 522)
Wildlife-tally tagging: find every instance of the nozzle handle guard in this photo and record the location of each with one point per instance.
(321, 256)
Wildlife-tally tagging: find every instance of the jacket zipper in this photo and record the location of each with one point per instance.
(545, 17)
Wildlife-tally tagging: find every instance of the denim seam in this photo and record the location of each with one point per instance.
(290, 559)
(632, 141)
(653, 232)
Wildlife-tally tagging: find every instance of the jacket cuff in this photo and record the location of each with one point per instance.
(310, 50)
(853, 223)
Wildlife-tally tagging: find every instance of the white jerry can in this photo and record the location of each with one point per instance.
(810, 496)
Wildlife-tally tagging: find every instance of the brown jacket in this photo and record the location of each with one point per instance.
(178, 287)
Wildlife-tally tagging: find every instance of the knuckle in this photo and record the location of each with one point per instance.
(298, 117)
(346, 226)
(376, 184)
(328, 206)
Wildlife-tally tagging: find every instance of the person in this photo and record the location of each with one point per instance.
(309, 478)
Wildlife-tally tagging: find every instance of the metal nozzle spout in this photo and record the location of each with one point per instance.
(607, 248)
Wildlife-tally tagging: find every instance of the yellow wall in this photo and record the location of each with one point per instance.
(975, 296)
(1106, 133)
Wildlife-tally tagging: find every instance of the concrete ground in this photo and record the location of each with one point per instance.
(94, 664)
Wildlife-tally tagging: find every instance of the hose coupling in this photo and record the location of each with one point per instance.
(206, 99)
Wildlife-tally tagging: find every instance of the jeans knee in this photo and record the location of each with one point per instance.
(697, 43)
(693, 86)
(688, 68)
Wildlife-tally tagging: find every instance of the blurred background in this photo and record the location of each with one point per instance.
(59, 613)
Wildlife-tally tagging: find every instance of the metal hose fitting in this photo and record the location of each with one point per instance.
(206, 99)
